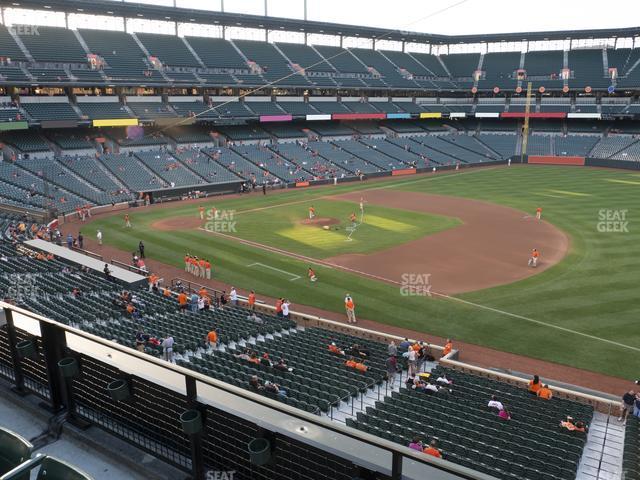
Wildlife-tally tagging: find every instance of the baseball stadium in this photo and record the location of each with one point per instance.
(310, 240)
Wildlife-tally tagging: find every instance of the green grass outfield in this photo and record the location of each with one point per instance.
(594, 291)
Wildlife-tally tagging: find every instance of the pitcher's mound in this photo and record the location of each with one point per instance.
(320, 222)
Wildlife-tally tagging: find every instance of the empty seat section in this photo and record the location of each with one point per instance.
(53, 44)
(500, 70)
(125, 61)
(170, 49)
(275, 67)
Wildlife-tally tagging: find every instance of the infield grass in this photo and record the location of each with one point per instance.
(593, 291)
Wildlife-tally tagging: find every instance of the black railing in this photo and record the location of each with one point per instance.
(168, 382)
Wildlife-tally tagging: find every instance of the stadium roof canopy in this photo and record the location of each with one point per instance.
(188, 15)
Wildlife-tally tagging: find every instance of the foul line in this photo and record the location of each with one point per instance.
(444, 174)
(314, 261)
(295, 277)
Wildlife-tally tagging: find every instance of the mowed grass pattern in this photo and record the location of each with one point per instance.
(382, 228)
(593, 291)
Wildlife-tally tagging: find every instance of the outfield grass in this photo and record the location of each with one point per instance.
(593, 291)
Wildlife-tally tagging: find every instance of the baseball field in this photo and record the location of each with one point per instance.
(444, 255)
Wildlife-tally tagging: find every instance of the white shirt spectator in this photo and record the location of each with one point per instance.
(495, 404)
(444, 380)
(167, 344)
(412, 355)
(233, 295)
(431, 387)
(285, 309)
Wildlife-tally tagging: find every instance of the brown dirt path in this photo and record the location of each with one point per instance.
(490, 248)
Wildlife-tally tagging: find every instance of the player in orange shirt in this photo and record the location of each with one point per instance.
(201, 210)
(207, 269)
(350, 308)
(533, 260)
(312, 275)
(187, 262)
(539, 213)
(352, 218)
(201, 267)
(312, 212)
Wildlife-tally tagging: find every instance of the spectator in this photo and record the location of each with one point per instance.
(107, 272)
(448, 347)
(193, 302)
(140, 249)
(285, 308)
(212, 338)
(444, 380)
(495, 403)
(392, 350)
(573, 426)
(545, 393)
(333, 348)
(404, 345)
(535, 385)
(255, 384)
(265, 361)
(409, 382)
(275, 389)
(392, 368)
(69, 241)
(282, 366)
(413, 363)
(636, 406)
(432, 449)
(361, 367)
(351, 363)
(252, 300)
(141, 340)
(80, 241)
(183, 301)
(223, 299)
(233, 296)
(504, 414)
(254, 358)
(167, 348)
(416, 444)
(626, 407)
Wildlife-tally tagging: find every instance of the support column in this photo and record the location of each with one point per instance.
(15, 359)
(53, 344)
(197, 455)
(396, 466)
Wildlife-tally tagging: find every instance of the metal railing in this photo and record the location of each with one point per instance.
(326, 433)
